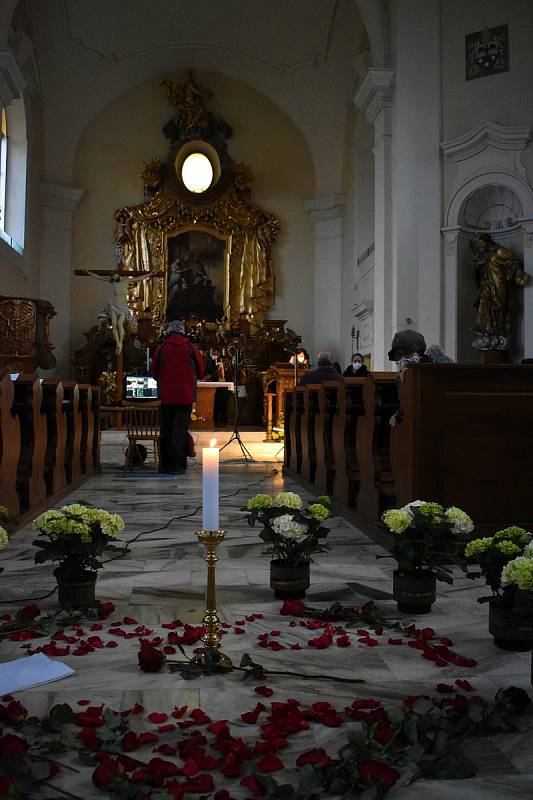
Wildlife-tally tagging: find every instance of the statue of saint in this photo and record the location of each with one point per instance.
(495, 268)
(117, 311)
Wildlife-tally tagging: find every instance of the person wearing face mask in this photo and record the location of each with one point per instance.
(407, 349)
(357, 368)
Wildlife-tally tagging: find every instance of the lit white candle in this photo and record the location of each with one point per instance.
(210, 460)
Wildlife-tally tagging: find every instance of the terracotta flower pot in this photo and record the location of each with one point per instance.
(290, 582)
(414, 594)
(76, 594)
(510, 631)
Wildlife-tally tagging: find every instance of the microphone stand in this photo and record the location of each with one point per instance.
(236, 436)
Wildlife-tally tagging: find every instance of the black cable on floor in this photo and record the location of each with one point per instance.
(126, 548)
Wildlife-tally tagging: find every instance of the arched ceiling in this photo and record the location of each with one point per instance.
(301, 54)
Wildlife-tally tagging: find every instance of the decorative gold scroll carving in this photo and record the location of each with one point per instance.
(142, 231)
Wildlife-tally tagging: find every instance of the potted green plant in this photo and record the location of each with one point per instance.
(4, 538)
(509, 622)
(425, 545)
(293, 533)
(74, 538)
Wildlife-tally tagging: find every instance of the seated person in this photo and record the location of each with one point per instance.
(356, 369)
(408, 348)
(301, 357)
(325, 370)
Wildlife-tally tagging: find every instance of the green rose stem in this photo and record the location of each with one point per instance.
(250, 669)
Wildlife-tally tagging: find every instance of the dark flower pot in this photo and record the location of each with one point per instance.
(414, 594)
(76, 594)
(510, 631)
(290, 582)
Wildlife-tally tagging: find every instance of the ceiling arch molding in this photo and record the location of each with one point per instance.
(375, 21)
(7, 9)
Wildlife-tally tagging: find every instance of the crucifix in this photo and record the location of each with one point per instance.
(117, 311)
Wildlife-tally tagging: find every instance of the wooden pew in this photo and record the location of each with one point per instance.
(377, 491)
(289, 451)
(56, 424)
(72, 451)
(355, 410)
(95, 410)
(310, 402)
(299, 425)
(87, 428)
(9, 445)
(466, 439)
(31, 486)
(321, 477)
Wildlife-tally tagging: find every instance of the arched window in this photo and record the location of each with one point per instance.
(13, 169)
(3, 168)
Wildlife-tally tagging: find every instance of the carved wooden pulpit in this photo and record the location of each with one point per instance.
(276, 380)
(24, 334)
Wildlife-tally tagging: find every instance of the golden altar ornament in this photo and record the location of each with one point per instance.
(211, 638)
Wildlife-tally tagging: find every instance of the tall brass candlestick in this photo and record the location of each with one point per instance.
(211, 637)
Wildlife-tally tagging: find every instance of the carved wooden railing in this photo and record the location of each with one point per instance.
(465, 439)
(49, 440)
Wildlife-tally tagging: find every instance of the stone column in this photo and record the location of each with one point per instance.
(58, 204)
(375, 97)
(327, 213)
(416, 250)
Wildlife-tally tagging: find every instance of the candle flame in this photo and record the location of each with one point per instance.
(212, 442)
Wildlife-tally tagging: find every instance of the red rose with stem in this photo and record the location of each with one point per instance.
(150, 658)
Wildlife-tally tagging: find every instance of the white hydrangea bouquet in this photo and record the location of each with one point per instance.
(517, 584)
(492, 553)
(292, 531)
(75, 537)
(425, 535)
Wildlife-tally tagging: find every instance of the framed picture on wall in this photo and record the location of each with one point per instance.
(197, 276)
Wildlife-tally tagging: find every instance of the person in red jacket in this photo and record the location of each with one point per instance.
(177, 364)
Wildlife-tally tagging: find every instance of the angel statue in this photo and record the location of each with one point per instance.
(117, 311)
(495, 269)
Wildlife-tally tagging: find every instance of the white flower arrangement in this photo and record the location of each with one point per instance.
(291, 530)
(287, 527)
(4, 538)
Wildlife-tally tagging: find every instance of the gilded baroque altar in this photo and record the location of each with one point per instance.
(211, 247)
(207, 253)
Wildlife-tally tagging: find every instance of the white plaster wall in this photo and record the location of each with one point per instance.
(506, 98)
(110, 156)
(300, 54)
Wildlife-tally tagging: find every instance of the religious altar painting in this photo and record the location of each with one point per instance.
(196, 275)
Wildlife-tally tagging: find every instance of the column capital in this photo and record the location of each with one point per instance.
(376, 93)
(12, 81)
(324, 208)
(62, 198)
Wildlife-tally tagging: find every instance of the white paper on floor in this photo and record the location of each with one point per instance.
(23, 673)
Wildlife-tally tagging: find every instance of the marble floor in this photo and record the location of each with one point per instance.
(162, 578)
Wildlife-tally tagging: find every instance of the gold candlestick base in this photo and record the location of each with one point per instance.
(211, 638)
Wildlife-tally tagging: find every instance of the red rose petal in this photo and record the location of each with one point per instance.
(270, 763)
(156, 717)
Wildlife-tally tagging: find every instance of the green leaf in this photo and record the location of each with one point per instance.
(410, 729)
(475, 712)
(369, 794)
(416, 752)
(310, 778)
(422, 706)
(39, 770)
